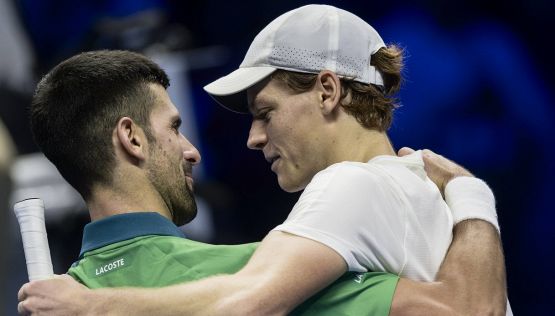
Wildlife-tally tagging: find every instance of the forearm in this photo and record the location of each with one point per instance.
(473, 272)
(268, 285)
(471, 280)
(220, 295)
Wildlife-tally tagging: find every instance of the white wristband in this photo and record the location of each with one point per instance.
(471, 198)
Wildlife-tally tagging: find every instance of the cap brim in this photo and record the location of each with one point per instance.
(230, 91)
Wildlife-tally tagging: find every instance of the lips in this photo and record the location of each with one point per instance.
(188, 173)
(190, 182)
(271, 159)
(275, 163)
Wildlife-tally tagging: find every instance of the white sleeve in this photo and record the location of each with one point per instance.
(351, 209)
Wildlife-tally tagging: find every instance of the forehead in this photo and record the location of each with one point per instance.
(267, 92)
(162, 102)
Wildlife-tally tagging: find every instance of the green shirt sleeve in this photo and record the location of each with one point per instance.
(155, 261)
(369, 293)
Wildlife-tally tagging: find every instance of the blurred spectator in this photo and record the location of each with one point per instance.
(7, 153)
(16, 75)
(16, 50)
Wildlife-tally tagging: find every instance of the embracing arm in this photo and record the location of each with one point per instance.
(284, 271)
(287, 269)
(471, 280)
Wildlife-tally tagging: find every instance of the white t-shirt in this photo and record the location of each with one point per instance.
(383, 215)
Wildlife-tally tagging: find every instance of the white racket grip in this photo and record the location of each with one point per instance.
(30, 215)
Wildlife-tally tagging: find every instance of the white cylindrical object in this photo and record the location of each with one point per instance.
(30, 215)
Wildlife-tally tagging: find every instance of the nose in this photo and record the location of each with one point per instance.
(257, 136)
(191, 153)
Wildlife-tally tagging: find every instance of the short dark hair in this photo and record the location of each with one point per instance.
(77, 105)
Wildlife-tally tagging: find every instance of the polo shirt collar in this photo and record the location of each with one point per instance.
(122, 227)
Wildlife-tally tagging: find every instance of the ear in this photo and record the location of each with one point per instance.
(329, 86)
(132, 138)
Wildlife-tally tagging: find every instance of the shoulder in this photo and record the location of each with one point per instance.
(348, 173)
(352, 180)
(353, 184)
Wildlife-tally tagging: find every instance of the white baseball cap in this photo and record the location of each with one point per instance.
(308, 39)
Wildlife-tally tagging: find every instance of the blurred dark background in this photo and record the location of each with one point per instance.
(479, 90)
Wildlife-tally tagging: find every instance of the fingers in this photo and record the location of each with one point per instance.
(31, 296)
(22, 296)
(442, 170)
(22, 293)
(22, 308)
(438, 168)
(432, 162)
(405, 151)
(447, 166)
(432, 157)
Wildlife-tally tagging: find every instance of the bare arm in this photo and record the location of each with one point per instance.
(283, 272)
(471, 280)
(286, 269)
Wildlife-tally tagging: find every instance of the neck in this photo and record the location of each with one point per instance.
(136, 195)
(353, 142)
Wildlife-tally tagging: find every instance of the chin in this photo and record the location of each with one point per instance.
(185, 217)
(290, 187)
(185, 211)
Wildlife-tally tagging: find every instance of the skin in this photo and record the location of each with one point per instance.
(295, 151)
(301, 134)
(156, 176)
(171, 160)
(268, 284)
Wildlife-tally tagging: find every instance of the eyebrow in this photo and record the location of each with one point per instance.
(255, 105)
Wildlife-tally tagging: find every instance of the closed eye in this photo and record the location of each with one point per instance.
(262, 116)
(176, 124)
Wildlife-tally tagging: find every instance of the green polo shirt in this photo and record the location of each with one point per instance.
(148, 250)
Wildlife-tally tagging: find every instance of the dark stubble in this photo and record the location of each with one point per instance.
(168, 177)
